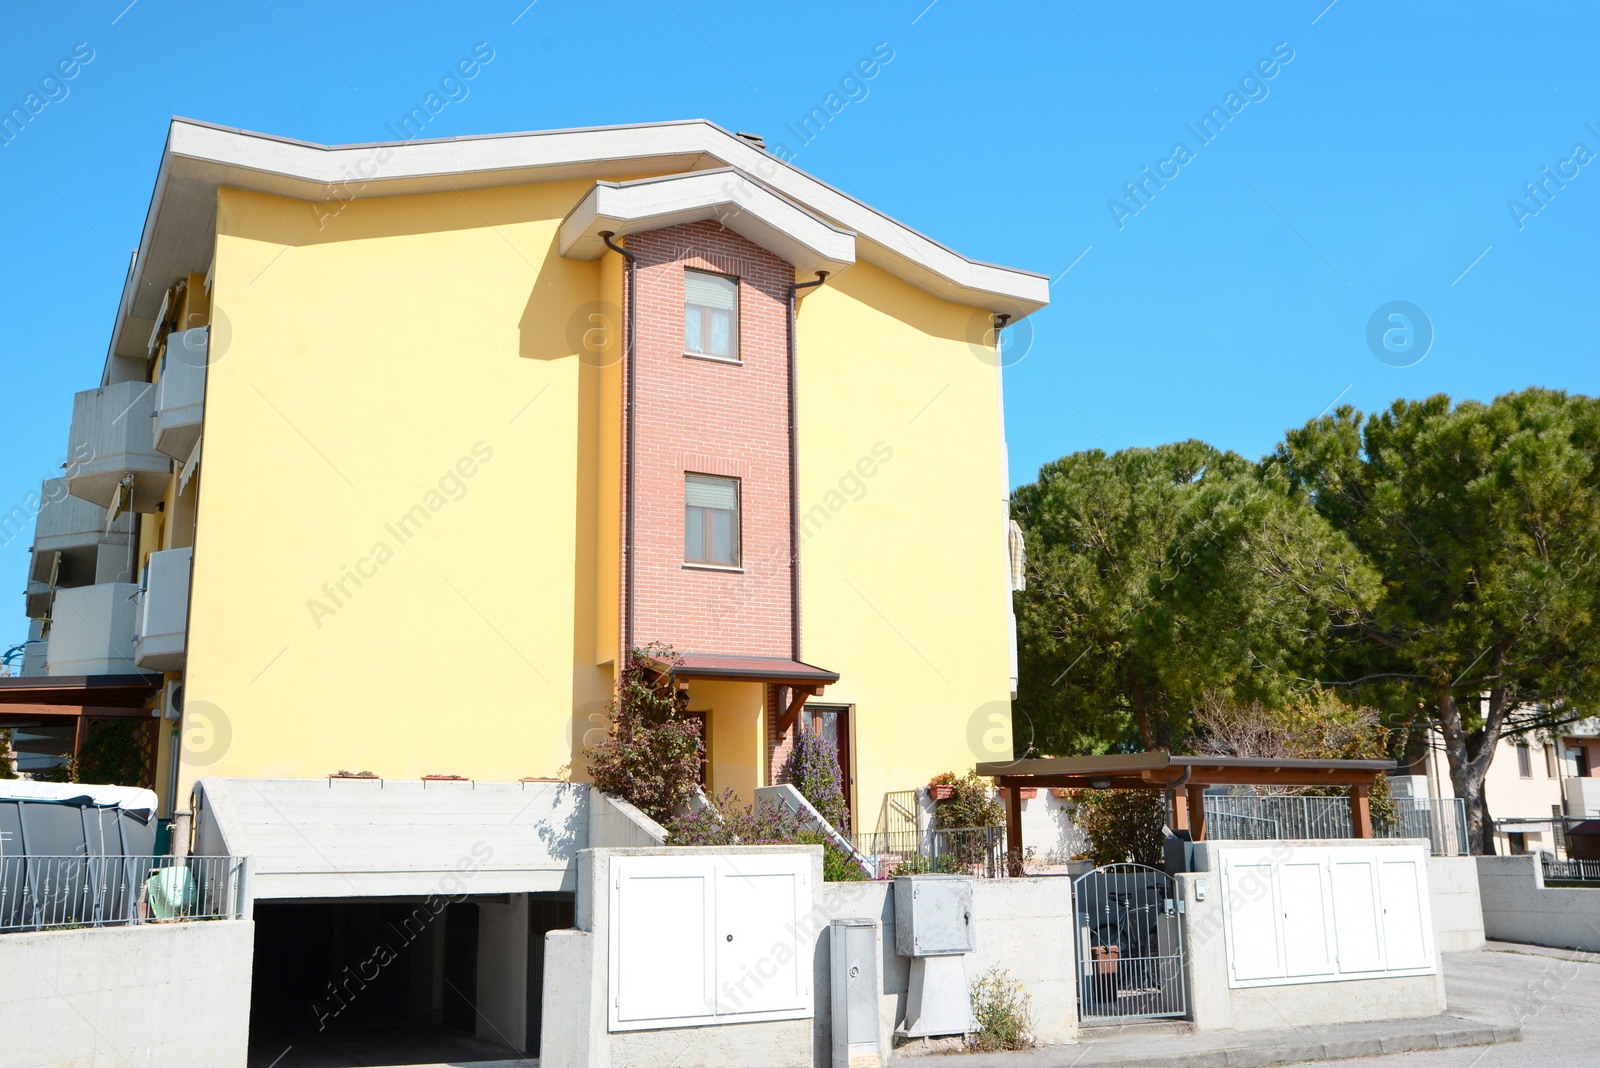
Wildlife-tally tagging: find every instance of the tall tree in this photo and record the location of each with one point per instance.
(1156, 575)
(1484, 521)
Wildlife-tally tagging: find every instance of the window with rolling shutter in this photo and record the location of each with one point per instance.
(710, 315)
(711, 520)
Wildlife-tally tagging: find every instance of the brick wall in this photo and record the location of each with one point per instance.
(715, 418)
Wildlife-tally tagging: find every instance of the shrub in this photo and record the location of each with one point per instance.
(974, 803)
(1002, 1012)
(813, 769)
(1123, 825)
(652, 755)
(770, 822)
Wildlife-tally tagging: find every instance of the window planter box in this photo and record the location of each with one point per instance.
(941, 791)
(1028, 793)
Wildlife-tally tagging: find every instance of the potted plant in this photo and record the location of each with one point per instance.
(942, 787)
(1061, 793)
(1028, 793)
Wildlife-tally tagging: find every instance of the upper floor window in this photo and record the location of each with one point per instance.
(1524, 762)
(710, 315)
(711, 520)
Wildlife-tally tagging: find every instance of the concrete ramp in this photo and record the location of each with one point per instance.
(343, 838)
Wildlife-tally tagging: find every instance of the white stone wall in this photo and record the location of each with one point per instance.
(1518, 907)
(173, 994)
(1454, 902)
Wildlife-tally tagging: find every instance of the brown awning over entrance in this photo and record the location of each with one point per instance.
(1185, 778)
(769, 669)
(800, 680)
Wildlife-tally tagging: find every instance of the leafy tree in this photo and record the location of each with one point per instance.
(653, 753)
(1484, 521)
(1157, 575)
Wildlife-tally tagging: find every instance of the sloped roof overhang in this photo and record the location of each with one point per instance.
(728, 196)
(179, 230)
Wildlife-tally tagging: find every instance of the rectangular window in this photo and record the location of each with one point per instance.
(1524, 762)
(710, 315)
(1550, 768)
(711, 520)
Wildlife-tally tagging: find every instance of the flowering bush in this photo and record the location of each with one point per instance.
(769, 822)
(813, 769)
(652, 756)
(974, 803)
(1002, 1011)
(1122, 825)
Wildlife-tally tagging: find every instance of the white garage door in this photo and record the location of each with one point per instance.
(1309, 915)
(709, 939)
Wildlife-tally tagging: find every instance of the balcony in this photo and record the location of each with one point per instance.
(164, 612)
(76, 529)
(33, 656)
(112, 443)
(91, 630)
(1582, 795)
(181, 393)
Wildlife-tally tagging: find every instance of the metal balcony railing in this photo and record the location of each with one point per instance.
(1247, 817)
(47, 892)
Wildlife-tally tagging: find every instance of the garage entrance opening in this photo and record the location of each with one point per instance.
(399, 980)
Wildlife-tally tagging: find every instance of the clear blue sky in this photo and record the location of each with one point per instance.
(1375, 166)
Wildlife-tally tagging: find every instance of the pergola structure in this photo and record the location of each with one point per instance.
(1184, 779)
(79, 700)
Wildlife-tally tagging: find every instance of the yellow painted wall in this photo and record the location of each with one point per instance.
(361, 370)
(364, 365)
(738, 734)
(903, 569)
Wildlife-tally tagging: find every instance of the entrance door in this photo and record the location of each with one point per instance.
(833, 723)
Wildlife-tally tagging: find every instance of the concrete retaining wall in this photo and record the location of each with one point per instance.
(1455, 904)
(1023, 925)
(175, 995)
(1518, 907)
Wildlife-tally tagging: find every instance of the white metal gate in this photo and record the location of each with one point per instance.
(1129, 945)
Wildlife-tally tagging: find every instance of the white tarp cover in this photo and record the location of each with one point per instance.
(129, 798)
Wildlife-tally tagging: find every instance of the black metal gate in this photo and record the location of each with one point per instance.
(1129, 945)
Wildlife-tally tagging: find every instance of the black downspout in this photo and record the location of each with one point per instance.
(794, 475)
(629, 347)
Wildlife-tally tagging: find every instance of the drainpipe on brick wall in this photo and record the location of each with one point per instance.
(629, 344)
(794, 474)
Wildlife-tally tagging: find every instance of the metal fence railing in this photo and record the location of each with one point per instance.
(1572, 871)
(978, 851)
(1251, 817)
(41, 892)
(1441, 820)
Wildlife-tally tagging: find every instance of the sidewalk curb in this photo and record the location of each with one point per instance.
(1246, 1056)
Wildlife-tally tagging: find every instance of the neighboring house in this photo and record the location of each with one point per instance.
(1527, 781)
(366, 474)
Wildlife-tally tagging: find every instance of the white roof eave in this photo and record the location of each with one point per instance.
(725, 195)
(179, 229)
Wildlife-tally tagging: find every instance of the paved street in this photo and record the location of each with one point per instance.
(1553, 994)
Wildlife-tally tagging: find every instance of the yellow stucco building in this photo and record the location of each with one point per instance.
(445, 424)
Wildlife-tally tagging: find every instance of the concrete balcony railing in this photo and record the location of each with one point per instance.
(91, 630)
(181, 393)
(112, 441)
(164, 612)
(1581, 795)
(75, 529)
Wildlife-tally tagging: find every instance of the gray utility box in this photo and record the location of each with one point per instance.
(933, 915)
(855, 987)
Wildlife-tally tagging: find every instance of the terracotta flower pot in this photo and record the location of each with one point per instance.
(1028, 793)
(1105, 959)
(941, 791)
(1061, 792)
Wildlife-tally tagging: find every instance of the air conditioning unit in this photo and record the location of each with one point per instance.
(172, 701)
